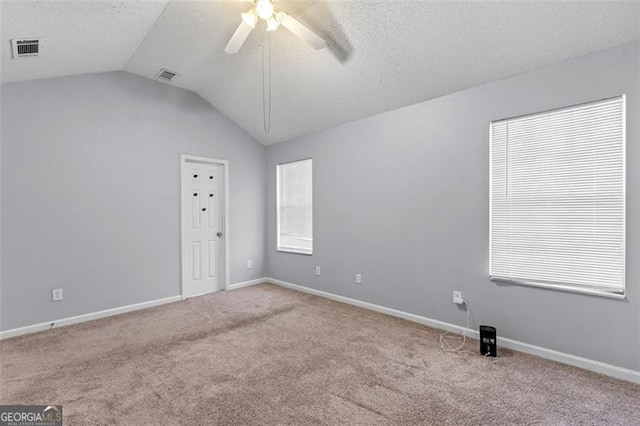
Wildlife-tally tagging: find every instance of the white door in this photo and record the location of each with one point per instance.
(202, 246)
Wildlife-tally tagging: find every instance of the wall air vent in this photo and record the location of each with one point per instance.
(166, 75)
(25, 47)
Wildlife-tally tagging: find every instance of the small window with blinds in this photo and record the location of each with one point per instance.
(295, 207)
(558, 198)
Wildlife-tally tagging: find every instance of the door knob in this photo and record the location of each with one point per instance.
(219, 234)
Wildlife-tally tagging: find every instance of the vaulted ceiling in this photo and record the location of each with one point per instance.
(382, 55)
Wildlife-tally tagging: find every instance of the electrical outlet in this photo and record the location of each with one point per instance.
(457, 297)
(317, 270)
(358, 278)
(249, 264)
(56, 295)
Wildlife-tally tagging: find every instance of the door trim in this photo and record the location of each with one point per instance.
(184, 158)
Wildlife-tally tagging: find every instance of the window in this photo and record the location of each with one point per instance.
(558, 198)
(295, 207)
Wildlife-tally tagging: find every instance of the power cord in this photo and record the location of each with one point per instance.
(444, 343)
(445, 346)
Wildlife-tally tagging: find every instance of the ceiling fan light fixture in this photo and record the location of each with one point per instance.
(264, 8)
(250, 18)
(272, 24)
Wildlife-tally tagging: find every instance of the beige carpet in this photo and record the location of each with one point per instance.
(268, 355)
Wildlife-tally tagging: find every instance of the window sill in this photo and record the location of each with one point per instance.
(295, 251)
(601, 292)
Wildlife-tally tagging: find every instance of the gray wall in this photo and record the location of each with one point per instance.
(91, 192)
(403, 198)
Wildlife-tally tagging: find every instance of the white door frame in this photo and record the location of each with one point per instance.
(184, 158)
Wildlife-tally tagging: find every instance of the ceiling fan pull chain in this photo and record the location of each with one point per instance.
(266, 81)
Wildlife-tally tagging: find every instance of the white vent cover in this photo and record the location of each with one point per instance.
(166, 75)
(25, 47)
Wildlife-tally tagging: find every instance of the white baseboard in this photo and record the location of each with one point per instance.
(247, 283)
(576, 361)
(86, 317)
(106, 313)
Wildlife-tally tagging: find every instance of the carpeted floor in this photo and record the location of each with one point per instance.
(268, 355)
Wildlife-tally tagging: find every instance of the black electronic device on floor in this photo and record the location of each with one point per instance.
(488, 345)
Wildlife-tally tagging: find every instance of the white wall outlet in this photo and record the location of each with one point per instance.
(56, 295)
(457, 297)
(317, 270)
(358, 278)
(249, 264)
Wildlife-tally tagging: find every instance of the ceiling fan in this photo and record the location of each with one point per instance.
(264, 9)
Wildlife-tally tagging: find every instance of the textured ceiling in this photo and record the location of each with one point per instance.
(77, 37)
(381, 56)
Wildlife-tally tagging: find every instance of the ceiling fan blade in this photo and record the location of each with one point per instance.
(293, 25)
(238, 38)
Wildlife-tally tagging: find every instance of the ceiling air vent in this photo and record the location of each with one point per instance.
(166, 75)
(25, 47)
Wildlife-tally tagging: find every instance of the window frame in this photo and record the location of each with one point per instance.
(571, 288)
(279, 247)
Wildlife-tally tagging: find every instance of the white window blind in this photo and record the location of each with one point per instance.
(295, 207)
(558, 198)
